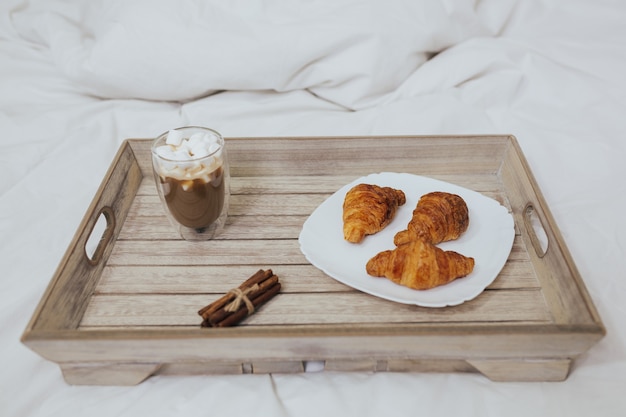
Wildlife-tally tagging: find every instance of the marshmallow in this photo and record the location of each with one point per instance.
(175, 172)
(174, 137)
(181, 156)
(197, 138)
(200, 150)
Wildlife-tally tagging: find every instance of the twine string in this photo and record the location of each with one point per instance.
(241, 296)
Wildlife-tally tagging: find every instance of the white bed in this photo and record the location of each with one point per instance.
(77, 78)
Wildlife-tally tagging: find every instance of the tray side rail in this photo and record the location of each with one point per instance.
(562, 284)
(68, 293)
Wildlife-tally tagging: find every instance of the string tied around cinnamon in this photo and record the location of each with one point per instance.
(241, 296)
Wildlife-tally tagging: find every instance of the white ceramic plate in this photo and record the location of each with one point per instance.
(488, 240)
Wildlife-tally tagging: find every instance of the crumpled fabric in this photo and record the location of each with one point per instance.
(352, 53)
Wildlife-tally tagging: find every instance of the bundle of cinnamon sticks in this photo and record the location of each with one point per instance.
(242, 301)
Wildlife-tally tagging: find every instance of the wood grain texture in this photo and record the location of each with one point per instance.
(134, 313)
(67, 296)
(314, 308)
(527, 370)
(562, 284)
(108, 373)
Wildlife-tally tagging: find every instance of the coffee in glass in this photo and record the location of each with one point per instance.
(192, 177)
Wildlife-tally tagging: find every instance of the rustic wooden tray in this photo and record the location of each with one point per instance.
(129, 309)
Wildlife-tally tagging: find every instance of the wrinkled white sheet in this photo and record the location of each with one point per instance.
(76, 78)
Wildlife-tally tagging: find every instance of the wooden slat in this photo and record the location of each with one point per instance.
(314, 308)
(516, 273)
(225, 252)
(288, 198)
(139, 227)
(446, 155)
(217, 279)
(245, 204)
(215, 252)
(273, 185)
(254, 204)
(163, 279)
(327, 184)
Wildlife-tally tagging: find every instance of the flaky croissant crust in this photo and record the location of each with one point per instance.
(368, 208)
(438, 217)
(419, 265)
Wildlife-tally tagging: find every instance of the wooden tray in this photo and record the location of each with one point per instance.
(129, 309)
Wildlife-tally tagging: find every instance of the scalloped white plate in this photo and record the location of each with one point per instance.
(488, 239)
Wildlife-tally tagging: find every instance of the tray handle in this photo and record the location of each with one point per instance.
(100, 235)
(536, 230)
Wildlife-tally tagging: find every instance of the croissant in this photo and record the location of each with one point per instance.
(368, 208)
(419, 265)
(438, 217)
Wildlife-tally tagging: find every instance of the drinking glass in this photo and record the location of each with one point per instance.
(191, 172)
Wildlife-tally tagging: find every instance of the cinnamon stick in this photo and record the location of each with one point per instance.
(259, 276)
(242, 313)
(222, 313)
(238, 303)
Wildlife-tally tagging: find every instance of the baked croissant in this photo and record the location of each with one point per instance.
(367, 209)
(438, 217)
(419, 265)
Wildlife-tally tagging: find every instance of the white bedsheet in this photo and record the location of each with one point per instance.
(77, 78)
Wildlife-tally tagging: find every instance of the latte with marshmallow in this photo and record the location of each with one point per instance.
(190, 172)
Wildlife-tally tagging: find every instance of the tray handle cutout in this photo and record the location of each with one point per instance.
(100, 235)
(536, 230)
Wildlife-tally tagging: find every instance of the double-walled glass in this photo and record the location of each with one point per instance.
(191, 172)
